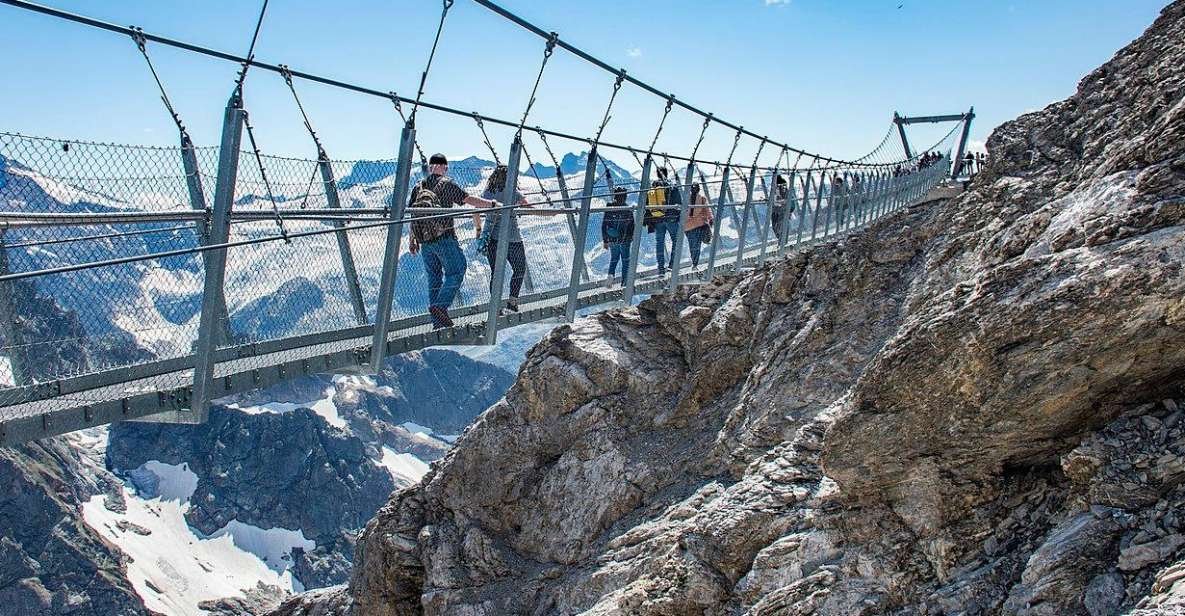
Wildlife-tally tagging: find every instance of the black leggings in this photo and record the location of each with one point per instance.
(516, 257)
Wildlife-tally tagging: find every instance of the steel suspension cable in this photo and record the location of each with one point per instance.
(222, 55)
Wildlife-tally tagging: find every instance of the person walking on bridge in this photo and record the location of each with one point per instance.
(516, 255)
(433, 235)
(617, 233)
(698, 227)
(662, 218)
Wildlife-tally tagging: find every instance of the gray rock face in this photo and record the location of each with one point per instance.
(288, 470)
(51, 562)
(968, 408)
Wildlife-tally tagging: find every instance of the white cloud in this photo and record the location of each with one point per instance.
(776, 2)
(633, 52)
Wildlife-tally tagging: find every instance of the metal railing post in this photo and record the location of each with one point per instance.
(505, 221)
(718, 219)
(790, 207)
(568, 205)
(745, 218)
(8, 327)
(680, 236)
(804, 206)
(819, 188)
(215, 264)
(390, 271)
(581, 235)
(771, 200)
(349, 269)
(636, 241)
(726, 191)
(197, 201)
(958, 161)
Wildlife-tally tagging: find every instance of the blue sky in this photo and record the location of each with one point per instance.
(823, 75)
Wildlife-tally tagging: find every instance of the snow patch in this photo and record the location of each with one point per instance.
(171, 568)
(324, 407)
(403, 466)
(273, 545)
(176, 481)
(414, 427)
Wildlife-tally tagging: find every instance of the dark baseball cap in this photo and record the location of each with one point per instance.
(438, 159)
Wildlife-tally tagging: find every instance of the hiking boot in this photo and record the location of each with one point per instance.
(440, 318)
(607, 283)
(512, 304)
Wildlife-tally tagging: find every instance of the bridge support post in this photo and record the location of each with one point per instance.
(804, 206)
(506, 220)
(898, 120)
(680, 236)
(212, 312)
(958, 162)
(8, 327)
(631, 276)
(197, 201)
(349, 269)
(717, 220)
(788, 208)
(749, 186)
(390, 271)
(820, 186)
(581, 236)
(771, 200)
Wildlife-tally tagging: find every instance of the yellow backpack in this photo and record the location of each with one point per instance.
(656, 196)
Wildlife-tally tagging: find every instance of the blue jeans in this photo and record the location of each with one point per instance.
(662, 230)
(445, 264)
(695, 241)
(619, 252)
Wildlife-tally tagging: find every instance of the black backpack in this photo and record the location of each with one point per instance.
(424, 196)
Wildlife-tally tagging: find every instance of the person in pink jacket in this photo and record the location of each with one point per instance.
(698, 227)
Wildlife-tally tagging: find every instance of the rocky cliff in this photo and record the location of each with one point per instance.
(969, 407)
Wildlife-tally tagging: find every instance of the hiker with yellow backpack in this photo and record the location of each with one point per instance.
(662, 218)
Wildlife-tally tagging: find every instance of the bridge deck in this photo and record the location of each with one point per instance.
(160, 390)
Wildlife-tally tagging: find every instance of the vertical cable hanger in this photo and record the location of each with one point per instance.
(142, 45)
(548, 50)
(609, 107)
(486, 138)
(238, 94)
(411, 120)
(539, 180)
(662, 122)
(698, 142)
(322, 157)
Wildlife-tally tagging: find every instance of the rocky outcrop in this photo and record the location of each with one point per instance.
(51, 562)
(967, 408)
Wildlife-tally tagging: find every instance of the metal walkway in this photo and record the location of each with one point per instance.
(142, 283)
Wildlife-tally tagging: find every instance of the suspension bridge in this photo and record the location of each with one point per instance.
(142, 283)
